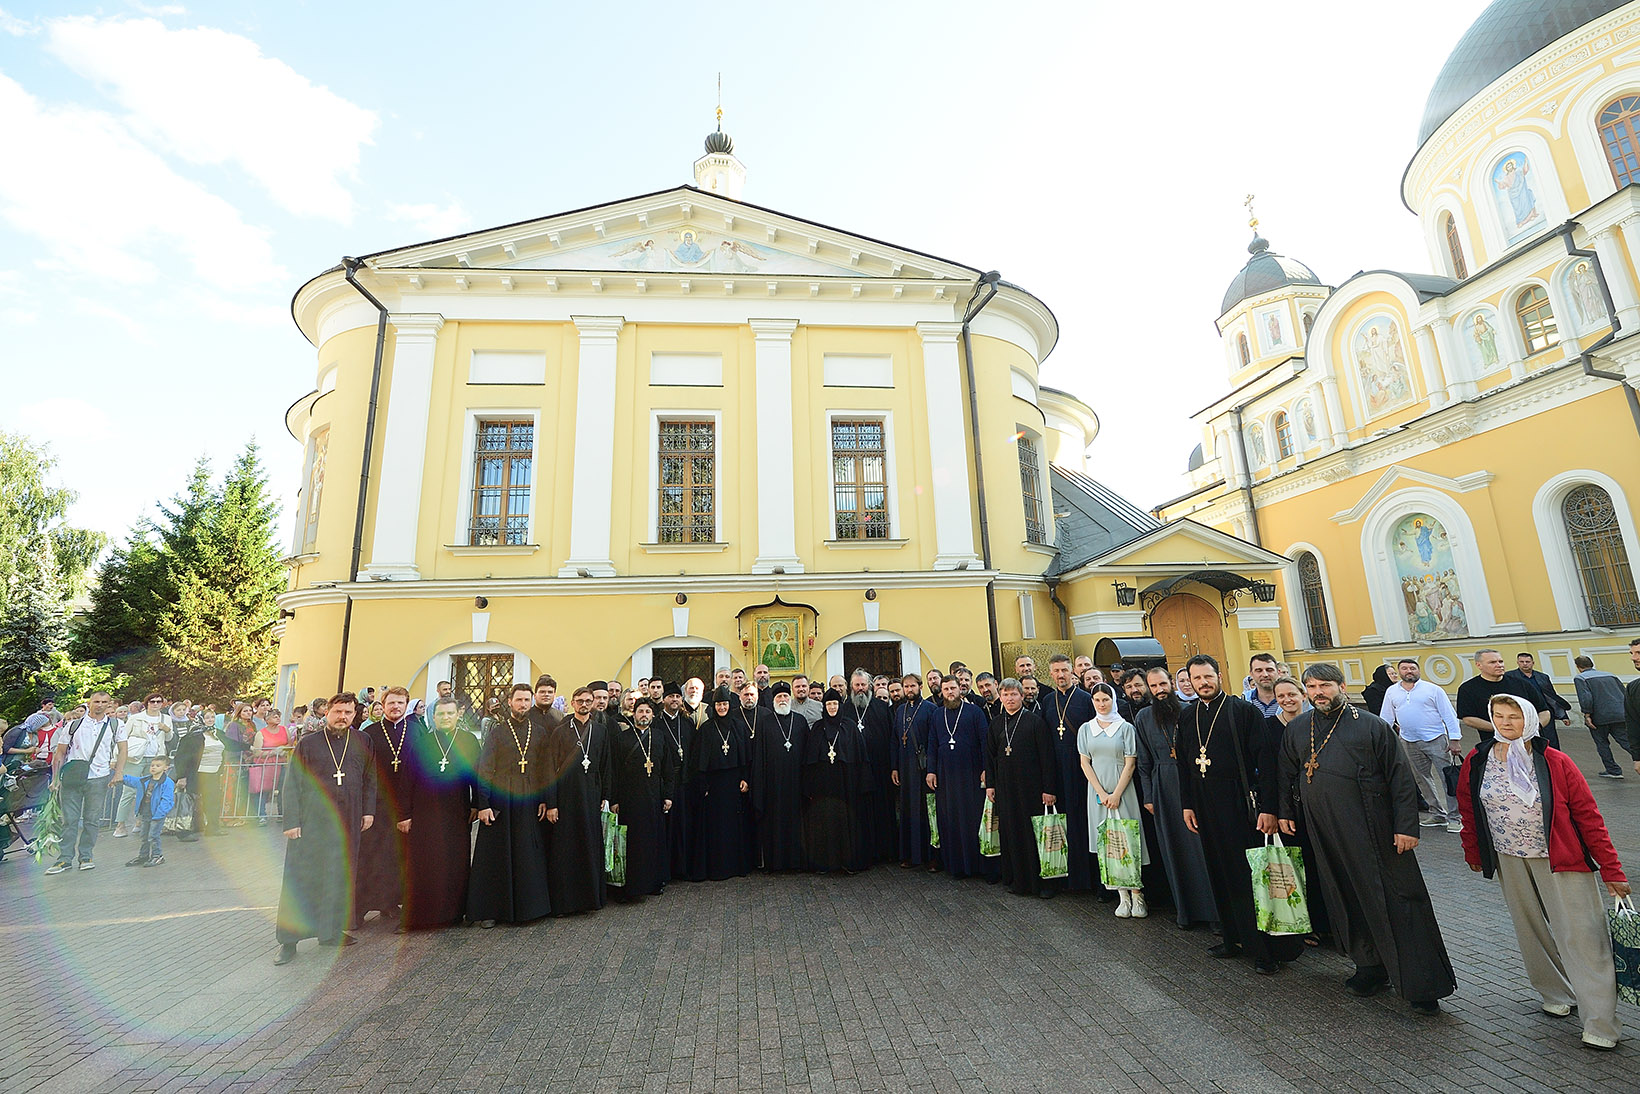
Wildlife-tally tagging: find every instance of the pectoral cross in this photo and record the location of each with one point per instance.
(338, 776)
(788, 746)
(395, 765)
(1202, 762)
(725, 748)
(1009, 751)
(521, 763)
(1310, 766)
(648, 768)
(444, 763)
(831, 753)
(586, 762)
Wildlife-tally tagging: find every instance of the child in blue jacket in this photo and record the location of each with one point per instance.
(156, 794)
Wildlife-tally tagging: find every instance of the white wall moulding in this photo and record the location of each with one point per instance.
(685, 369)
(490, 366)
(594, 487)
(404, 448)
(857, 370)
(776, 487)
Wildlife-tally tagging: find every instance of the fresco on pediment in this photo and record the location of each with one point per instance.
(683, 250)
(1514, 192)
(1581, 287)
(1381, 365)
(1430, 591)
(1480, 334)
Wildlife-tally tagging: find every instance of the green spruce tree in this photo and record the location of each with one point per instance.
(33, 626)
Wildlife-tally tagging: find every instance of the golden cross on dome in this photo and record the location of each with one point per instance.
(1252, 217)
(720, 102)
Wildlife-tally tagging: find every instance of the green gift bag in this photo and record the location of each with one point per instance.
(1278, 887)
(1052, 847)
(990, 836)
(611, 823)
(933, 822)
(617, 856)
(1120, 852)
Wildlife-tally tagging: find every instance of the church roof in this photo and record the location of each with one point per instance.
(1507, 33)
(1090, 519)
(1266, 270)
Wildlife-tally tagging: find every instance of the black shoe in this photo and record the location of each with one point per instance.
(140, 860)
(1224, 949)
(486, 924)
(188, 837)
(286, 955)
(345, 940)
(1368, 981)
(1426, 1006)
(157, 860)
(1266, 968)
(1048, 894)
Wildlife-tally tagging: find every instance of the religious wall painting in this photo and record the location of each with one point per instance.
(1480, 333)
(1381, 365)
(777, 642)
(1431, 594)
(1274, 333)
(686, 249)
(1256, 455)
(1515, 195)
(319, 451)
(1304, 422)
(1581, 288)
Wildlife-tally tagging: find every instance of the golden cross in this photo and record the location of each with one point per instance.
(1252, 217)
(1309, 768)
(1202, 762)
(521, 763)
(648, 767)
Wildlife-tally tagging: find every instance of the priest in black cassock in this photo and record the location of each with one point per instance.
(382, 855)
(1022, 771)
(956, 770)
(833, 767)
(1065, 709)
(578, 758)
(1227, 788)
(438, 819)
(675, 728)
(329, 800)
(874, 722)
(1156, 734)
(1348, 772)
(641, 776)
(509, 875)
(777, 782)
(911, 776)
(723, 760)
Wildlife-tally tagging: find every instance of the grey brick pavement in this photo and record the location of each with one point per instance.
(146, 980)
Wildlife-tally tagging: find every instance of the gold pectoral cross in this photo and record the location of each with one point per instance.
(648, 767)
(521, 763)
(1009, 751)
(831, 752)
(395, 764)
(1202, 762)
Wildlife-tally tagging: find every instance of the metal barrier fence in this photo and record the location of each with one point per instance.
(252, 789)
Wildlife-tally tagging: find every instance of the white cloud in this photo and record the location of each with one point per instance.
(10, 24)
(211, 97)
(101, 201)
(159, 9)
(96, 309)
(434, 220)
(230, 311)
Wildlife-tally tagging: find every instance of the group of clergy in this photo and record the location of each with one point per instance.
(379, 819)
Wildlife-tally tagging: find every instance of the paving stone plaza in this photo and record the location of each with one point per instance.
(146, 980)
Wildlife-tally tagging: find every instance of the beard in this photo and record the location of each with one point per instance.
(861, 700)
(782, 707)
(1329, 704)
(1166, 708)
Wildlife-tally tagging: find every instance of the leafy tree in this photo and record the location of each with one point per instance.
(33, 626)
(31, 507)
(130, 589)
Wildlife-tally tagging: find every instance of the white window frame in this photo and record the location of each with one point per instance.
(891, 472)
(1565, 582)
(656, 417)
(469, 438)
(1044, 489)
(1299, 611)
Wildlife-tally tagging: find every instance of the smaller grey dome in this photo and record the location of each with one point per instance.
(1196, 459)
(718, 142)
(1266, 270)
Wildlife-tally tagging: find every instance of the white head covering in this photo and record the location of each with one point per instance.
(1116, 720)
(1522, 779)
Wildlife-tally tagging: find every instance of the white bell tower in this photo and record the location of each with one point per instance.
(718, 171)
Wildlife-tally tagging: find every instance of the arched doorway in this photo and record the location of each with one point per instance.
(1186, 625)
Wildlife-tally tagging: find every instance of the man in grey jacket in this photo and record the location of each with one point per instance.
(1600, 694)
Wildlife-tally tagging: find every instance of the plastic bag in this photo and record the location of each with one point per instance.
(990, 835)
(1120, 852)
(1279, 888)
(933, 822)
(1625, 928)
(1052, 846)
(617, 856)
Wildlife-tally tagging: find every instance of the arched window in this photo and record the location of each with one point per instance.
(1602, 560)
(1537, 319)
(1315, 601)
(1617, 134)
(1244, 349)
(1454, 247)
(1284, 434)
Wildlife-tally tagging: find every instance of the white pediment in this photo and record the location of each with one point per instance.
(687, 248)
(1189, 546)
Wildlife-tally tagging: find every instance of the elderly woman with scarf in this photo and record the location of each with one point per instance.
(1529, 818)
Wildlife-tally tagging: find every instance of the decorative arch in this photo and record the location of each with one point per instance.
(643, 658)
(1564, 582)
(1488, 344)
(1282, 435)
(1297, 612)
(1381, 356)
(1323, 355)
(1518, 295)
(1383, 584)
(910, 651)
(1503, 235)
(1583, 128)
(438, 666)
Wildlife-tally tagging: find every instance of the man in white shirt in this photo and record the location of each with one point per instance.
(149, 732)
(87, 752)
(1429, 730)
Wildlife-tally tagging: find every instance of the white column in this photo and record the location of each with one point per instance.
(1618, 278)
(1236, 443)
(948, 447)
(404, 449)
(1335, 412)
(1460, 374)
(1430, 364)
(776, 488)
(594, 485)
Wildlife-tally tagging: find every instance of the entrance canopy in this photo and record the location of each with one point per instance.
(1225, 581)
(1135, 653)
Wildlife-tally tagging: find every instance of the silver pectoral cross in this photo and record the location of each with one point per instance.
(444, 763)
(339, 776)
(586, 762)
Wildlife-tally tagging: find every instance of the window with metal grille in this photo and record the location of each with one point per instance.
(859, 479)
(1602, 559)
(1284, 434)
(477, 678)
(503, 473)
(1315, 602)
(1030, 484)
(1617, 134)
(688, 482)
(1454, 247)
(1537, 319)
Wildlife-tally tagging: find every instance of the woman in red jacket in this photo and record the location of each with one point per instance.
(1529, 818)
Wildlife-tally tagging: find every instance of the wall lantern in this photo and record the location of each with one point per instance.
(1264, 592)
(1125, 594)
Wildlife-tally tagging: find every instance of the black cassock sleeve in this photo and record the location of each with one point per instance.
(1046, 756)
(1287, 802)
(1403, 791)
(484, 773)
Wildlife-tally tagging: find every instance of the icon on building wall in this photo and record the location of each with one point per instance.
(777, 641)
(1430, 590)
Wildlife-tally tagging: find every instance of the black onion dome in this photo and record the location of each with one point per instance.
(1266, 270)
(717, 141)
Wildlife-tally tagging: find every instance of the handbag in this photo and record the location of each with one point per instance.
(1624, 922)
(78, 772)
(1279, 888)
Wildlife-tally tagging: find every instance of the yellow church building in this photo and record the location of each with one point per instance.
(1450, 460)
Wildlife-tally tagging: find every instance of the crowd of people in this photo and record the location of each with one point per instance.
(612, 793)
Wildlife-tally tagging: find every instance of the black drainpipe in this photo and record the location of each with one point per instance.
(1586, 358)
(1247, 485)
(986, 282)
(349, 265)
(1064, 612)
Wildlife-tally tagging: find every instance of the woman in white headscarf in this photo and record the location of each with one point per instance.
(1109, 749)
(1529, 818)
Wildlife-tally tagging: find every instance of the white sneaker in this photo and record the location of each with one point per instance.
(1139, 911)
(1454, 827)
(1124, 907)
(1559, 1010)
(1604, 1044)
(1430, 821)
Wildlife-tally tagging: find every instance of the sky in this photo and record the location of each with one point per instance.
(172, 174)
